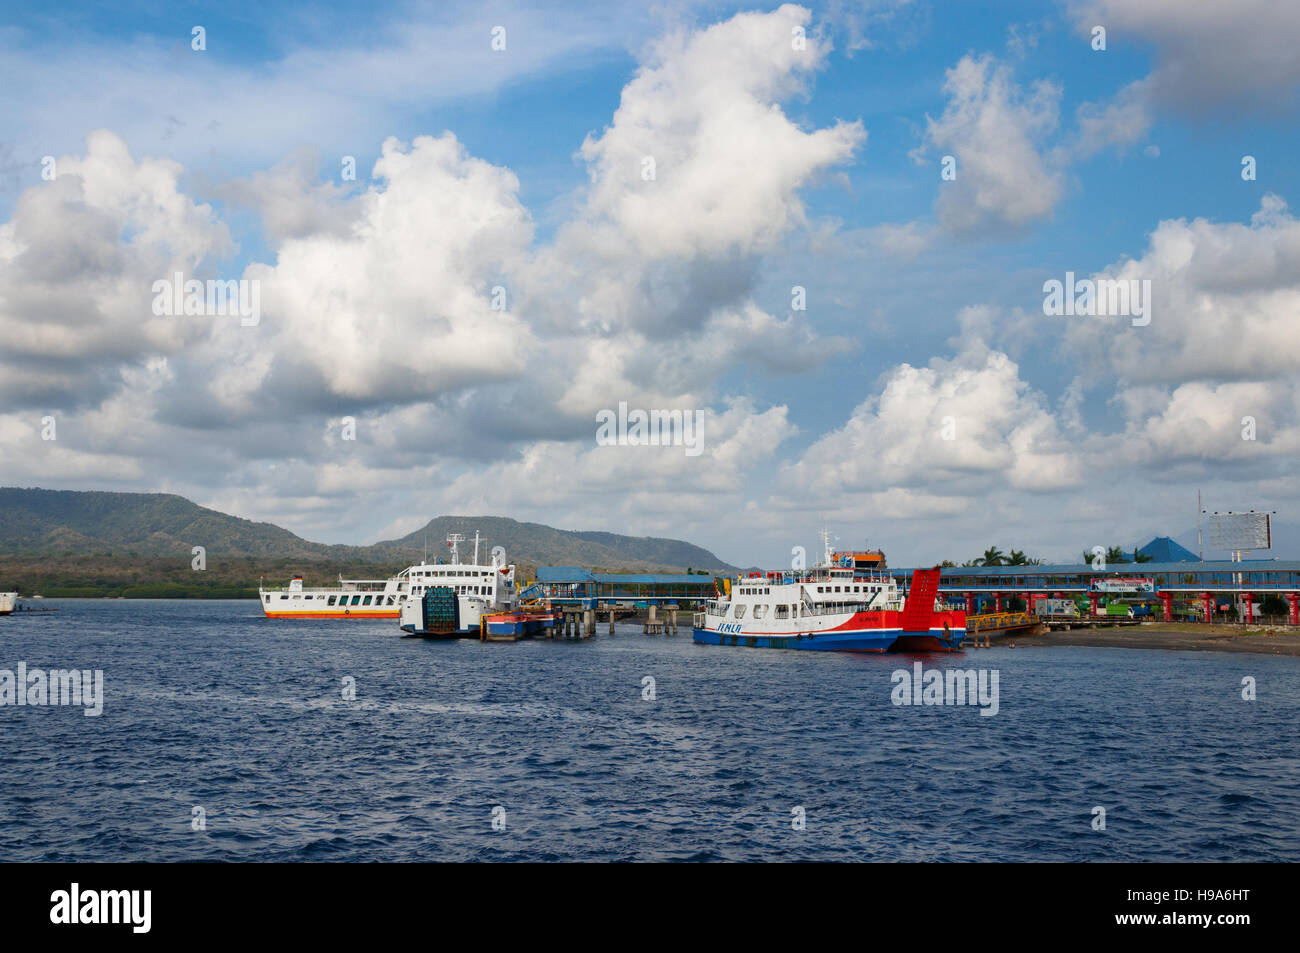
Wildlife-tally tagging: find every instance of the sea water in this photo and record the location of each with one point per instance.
(227, 736)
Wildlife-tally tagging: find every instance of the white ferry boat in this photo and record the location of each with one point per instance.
(7, 602)
(449, 600)
(832, 607)
(350, 599)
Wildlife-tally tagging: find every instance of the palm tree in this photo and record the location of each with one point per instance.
(992, 557)
(1018, 558)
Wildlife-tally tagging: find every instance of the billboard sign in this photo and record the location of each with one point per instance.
(1124, 584)
(1234, 531)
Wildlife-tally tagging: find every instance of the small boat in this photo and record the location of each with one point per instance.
(512, 626)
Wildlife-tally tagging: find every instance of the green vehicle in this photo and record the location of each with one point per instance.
(1119, 609)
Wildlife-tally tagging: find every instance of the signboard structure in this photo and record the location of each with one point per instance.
(1124, 584)
(1238, 532)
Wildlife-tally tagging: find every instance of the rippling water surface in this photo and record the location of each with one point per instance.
(208, 704)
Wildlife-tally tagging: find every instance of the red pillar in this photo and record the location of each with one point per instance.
(1207, 604)
(997, 602)
(1167, 598)
(1293, 608)
(970, 604)
(1249, 598)
(1092, 602)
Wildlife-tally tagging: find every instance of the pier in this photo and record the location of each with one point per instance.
(573, 585)
(577, 622)
(653, 625)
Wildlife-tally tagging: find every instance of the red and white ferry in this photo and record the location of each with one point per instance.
(832, 608)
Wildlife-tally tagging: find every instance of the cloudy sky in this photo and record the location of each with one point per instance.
(618, 206)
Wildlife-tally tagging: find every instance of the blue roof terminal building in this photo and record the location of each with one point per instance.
(1176, 579)
(1175, 585)
(575, 585)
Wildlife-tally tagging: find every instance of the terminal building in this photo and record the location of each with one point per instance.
(575, 585)
(1175, 583)
(1182, 589)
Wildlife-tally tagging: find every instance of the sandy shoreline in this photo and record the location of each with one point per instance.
(1174, 636)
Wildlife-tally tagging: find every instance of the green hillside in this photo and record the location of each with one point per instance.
(138, 544)
(35, 521)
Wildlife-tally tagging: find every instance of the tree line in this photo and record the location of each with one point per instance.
(993, 556)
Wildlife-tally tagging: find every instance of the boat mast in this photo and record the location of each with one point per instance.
(454, 540)
(826, 546)
(475, 547)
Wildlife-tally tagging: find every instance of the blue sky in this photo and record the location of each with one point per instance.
(924, 290)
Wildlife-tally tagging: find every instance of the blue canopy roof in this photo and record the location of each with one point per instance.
(655, 578)
(576, 574)
(1162, 549)
(563, 574)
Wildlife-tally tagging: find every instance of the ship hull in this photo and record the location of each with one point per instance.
(340, 614)
(871, 631)
(468, 615)
(862, 641)
(934, 641)
(449, 634)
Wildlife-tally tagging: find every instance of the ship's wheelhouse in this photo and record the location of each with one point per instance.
(469, 580)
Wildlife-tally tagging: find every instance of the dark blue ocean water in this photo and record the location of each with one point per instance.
(208, 704)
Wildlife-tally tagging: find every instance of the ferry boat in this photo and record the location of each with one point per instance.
(350, 599)
(833, 608)
(449, 600)
(7, 602)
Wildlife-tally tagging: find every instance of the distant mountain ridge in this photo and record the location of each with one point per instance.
(54, 522)
(540, 545)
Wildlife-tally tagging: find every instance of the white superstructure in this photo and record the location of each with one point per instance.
(7, 602)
